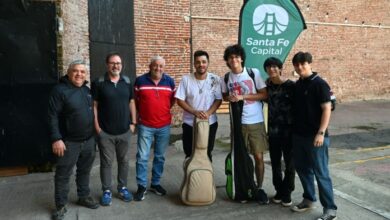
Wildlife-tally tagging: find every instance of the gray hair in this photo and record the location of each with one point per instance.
(155, 58)
(76, 62)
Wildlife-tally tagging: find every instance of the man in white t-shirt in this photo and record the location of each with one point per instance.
(199, 94)
(241, 86)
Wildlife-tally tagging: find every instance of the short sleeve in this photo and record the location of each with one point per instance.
(259, 80)
(94, 90)
(181, 89)
(223, 84)
(324, 92)
(131, 92)
(218, 90)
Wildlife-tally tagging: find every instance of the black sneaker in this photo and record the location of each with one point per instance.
(286, 201)
(88, 202)
(140, 194)
(327, 216)
(277, 198)
(303, 206)
(261, 197)
(59, 213)
(158, 190)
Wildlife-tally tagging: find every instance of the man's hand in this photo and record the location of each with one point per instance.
(59, 148)
(98, 130)
(201, 114)
(318, 140)
(132, 128)
(235, 98)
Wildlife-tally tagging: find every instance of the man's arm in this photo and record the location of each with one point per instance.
(260, 95)
(55, 107)
(225, 97)
(96, 119)
(186, 107)
(133, 112)
(214, 106)
(325, 118)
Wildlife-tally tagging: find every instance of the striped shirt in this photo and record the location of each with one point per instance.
(154, 102)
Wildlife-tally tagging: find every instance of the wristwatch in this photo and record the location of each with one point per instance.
(321, 133)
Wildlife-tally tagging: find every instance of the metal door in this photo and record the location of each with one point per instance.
(111, 28)
(28, 71)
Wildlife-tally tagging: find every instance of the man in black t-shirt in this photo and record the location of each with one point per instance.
(311, 112)
(115, 119)
(280, 100)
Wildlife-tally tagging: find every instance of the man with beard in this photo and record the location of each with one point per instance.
(115, 118)
(199, 94)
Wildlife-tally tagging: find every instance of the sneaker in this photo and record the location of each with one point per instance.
(59, 213)
(286, 201)
(106, 198)
(327, 216)
(303, 206)
(277, 198)
(261, 197)
(158, 190)
(125, 195)
(88, 202)
(140, 194)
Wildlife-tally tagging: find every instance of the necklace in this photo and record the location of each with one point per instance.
(200, 85)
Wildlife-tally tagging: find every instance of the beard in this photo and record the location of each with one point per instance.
(201, 71)
(115, 72)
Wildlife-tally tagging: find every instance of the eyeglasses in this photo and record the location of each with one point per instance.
(113, 64)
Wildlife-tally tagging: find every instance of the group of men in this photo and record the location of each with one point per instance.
(113, 109)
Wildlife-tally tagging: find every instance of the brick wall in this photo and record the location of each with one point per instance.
(215, 34)
(161, 29)
(354, 60)
(73, 42)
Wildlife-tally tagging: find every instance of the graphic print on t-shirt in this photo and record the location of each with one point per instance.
(242, 88)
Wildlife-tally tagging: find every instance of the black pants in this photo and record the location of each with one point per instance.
(187, 139)
(81, 154)
(278, 147)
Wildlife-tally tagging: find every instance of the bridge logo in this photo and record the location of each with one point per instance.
(270, 20)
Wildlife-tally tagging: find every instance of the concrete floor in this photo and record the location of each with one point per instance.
(359, 165)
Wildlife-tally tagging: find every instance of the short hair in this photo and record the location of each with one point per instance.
(155, 58)
(111, 54)
(74, 63)
(302, 57)
(272, 61)
(200, 53)
(235, 49)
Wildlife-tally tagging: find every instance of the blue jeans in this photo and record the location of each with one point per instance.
(146, 136)
(310, 162)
